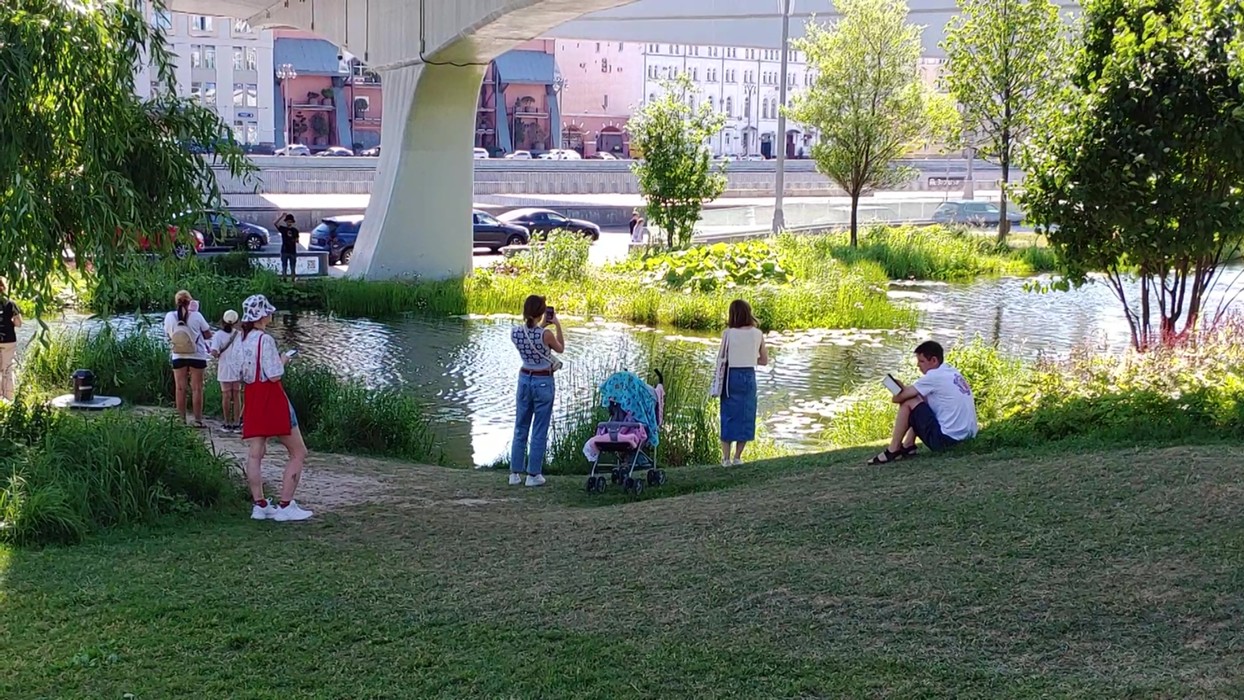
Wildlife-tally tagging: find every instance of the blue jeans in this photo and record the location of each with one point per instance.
(534, 411)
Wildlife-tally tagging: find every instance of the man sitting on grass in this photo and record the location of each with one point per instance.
(939, 408)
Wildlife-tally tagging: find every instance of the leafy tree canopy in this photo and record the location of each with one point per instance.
(87, 169)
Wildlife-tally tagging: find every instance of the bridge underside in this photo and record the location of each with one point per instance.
(432, 55)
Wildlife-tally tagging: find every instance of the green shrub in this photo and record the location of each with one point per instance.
(709, 268)
(563, 256)
(73, 475)
(915, 252)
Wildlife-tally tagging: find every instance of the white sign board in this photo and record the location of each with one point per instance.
(303, 264)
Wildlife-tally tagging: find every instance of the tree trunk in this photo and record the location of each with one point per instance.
(1004, 224)
(855, 203)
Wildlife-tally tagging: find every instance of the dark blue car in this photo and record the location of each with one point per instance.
(346, 229)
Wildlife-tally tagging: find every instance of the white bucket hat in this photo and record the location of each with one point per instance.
(255, 308)
(230, 316)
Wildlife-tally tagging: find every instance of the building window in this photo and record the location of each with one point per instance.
(245, 95)
(201, 24)
(729, 106)
(209, 57)
(246, 131)
(242, 28)
(711, 106)
(238, 58)
(164, 20)
(252, 58)
(196, 56)
(695, 74)
(652, 97)
(604, 104)
(747, 107)
(598, 47)
(196, 92)
(604, 65)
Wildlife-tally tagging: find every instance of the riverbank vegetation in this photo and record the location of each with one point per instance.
(65, 476)
(1192, 392)
(793, 282)
(335, 414)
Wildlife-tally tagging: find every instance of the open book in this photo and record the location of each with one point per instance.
(892, 384)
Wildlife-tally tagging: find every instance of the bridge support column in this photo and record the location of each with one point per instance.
(418, 220)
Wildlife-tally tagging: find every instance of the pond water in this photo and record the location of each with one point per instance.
(464, 368)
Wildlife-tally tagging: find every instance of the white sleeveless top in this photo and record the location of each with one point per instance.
(743, 346)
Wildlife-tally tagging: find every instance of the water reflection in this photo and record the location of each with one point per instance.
(464, 369)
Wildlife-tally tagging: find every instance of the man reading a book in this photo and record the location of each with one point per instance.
(939, 408)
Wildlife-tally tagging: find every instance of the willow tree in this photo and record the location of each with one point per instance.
(676, 173)
(1140, 175)
(1004, 61)
(87, 168)
(867, 103)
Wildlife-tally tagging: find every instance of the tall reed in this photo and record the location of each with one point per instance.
(64, 476)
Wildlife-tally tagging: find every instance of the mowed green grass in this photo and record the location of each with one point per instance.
(1057, 573)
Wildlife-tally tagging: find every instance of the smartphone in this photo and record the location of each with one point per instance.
(291, 353)
(549, 313)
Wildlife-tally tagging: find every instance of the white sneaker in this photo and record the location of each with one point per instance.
(291, 512)
(516, 479)
(738, 462)
(535, 480)
(726, 463)
(263, 513)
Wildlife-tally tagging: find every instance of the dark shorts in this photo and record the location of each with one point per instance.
(288, 261)
(924, 422)
(189, 362)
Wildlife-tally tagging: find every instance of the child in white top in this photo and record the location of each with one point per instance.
(227, 349)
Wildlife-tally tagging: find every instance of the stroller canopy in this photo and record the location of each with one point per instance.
(634, 396)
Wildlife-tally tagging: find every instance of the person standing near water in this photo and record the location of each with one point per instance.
(268, 413)
(10, 321)
(743, 347)
(289, 245)
(536, 340)
(188, 333)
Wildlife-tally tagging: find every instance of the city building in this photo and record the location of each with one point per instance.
(599, 85)
(219, 62)
(743, 84)
(517, 108)
(309, 76)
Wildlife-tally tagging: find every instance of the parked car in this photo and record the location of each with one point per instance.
(602, 155)
(179, 247)
(519, 155)
(335, 152)
(972, 213)
(373, 152)
(494, 235)
(561, 154)
(541, 221)
(294, 149)
(347, 228)
(481, 154)
(753, 157)
(222, 229)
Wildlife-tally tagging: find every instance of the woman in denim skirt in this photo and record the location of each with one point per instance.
(536, 340)
(744, 347)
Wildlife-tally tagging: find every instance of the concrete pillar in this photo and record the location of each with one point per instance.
(419, 218)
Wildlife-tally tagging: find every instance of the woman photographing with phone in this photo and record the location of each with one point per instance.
(536, 340)
(267, 413)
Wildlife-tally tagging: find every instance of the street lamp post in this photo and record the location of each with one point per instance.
(559, 85)
(779, 218)
(287, 73)
(750, 90)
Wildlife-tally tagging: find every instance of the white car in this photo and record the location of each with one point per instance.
(519, 155)
(481, 154)
(754, 157)
(603, 155)
(561, 154)
(294, 149)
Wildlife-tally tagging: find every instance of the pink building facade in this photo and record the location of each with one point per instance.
(599, 85)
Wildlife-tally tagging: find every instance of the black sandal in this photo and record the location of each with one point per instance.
(890, 457)
(912, 451)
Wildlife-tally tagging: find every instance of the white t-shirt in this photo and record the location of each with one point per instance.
(743, 346)
(229, 347)
(269, 360)
(197, 325)
(950, 397)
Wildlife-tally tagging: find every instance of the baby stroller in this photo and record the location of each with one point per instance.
(625, 445)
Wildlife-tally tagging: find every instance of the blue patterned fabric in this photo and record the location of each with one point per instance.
(636, 398)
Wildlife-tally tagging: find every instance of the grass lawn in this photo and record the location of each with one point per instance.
(1057, 573)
